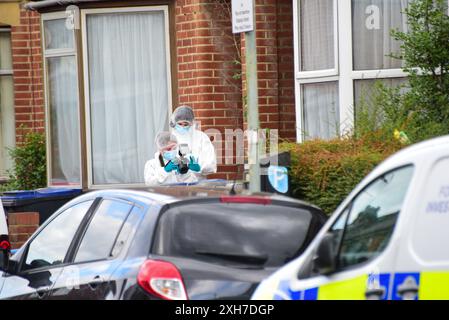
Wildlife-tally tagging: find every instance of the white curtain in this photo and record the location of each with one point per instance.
(7, 125)
(372, 21)
(320, 109)
(317, 35)
(128, 92)
(65, 144)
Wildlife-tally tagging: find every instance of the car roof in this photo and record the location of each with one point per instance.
(170, 194)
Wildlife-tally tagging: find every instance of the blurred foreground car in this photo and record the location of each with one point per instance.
(387, 240)
(124, 244)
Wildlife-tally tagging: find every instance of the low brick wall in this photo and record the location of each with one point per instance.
(21, 226)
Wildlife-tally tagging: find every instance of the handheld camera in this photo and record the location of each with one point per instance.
(181, 160)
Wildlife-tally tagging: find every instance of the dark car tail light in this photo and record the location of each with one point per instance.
(4, 242)
(5, 245)
(245, 199)
(162, 279)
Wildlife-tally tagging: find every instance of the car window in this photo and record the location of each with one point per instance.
(51, 244)
(238, 235)
(102, 231)
(372, 217)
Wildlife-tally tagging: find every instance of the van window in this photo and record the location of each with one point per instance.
(238, 235)
(430, 234)
(373, 216)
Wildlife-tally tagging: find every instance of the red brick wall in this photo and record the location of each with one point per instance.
(274, 41)
(267, 63)
(28, 76)
(286, 82)
(21, 226)
(206, 51)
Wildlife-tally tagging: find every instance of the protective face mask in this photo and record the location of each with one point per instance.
(182, 130)
(170, 155)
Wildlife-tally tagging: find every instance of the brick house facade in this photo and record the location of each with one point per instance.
(206, 61)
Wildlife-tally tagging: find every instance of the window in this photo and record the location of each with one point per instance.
(317, 69)
(50, 246)
(102, 231)
(341, 46)
(62, 102)
(321, 112)
(7, 119)
(127, 93)
(317, 35)
(372, 22)
(371, 218)
(234, 235)
(128, 85)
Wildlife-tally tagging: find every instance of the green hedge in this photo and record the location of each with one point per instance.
(29, 170)
(325, 172)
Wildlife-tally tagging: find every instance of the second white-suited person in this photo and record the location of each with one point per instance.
(164, 168)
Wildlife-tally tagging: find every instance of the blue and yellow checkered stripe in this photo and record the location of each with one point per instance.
(432, 286)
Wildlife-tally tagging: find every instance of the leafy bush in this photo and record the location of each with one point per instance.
(325, 172)
(426, 46)
(29, 170)
(419, 108)
(391, 109)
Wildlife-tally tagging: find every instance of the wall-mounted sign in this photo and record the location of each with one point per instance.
(242, 16)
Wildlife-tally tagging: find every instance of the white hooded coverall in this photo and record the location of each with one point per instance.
(201, 148)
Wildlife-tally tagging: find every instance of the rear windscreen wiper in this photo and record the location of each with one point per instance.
(236, 257)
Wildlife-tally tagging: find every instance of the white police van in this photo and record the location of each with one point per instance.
(388, 240)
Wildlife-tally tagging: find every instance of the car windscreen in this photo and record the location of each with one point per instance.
(239, 235)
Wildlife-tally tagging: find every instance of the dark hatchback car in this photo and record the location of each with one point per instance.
(125, 244)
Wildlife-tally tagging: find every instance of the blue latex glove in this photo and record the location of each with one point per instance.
(193, 165)
(170, 166)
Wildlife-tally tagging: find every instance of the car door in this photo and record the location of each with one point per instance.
(422, 266)
(361, 255)
(44, 256)
(95, 257)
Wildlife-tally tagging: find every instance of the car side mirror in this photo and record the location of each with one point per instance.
(324, 262)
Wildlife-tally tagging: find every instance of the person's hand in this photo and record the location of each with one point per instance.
(193, 165)
(170, 166)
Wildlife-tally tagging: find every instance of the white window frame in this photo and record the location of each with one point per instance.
(344, 73)
(318, 73)
(51, 53)
(5, 72)
(84, 13)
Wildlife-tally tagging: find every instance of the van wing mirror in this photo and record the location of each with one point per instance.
(325, 262)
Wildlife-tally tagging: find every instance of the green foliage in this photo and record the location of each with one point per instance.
(425, 47)
(389, 109)
(387, 119)
(29, 170)
(325, 172)
(419, 108)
